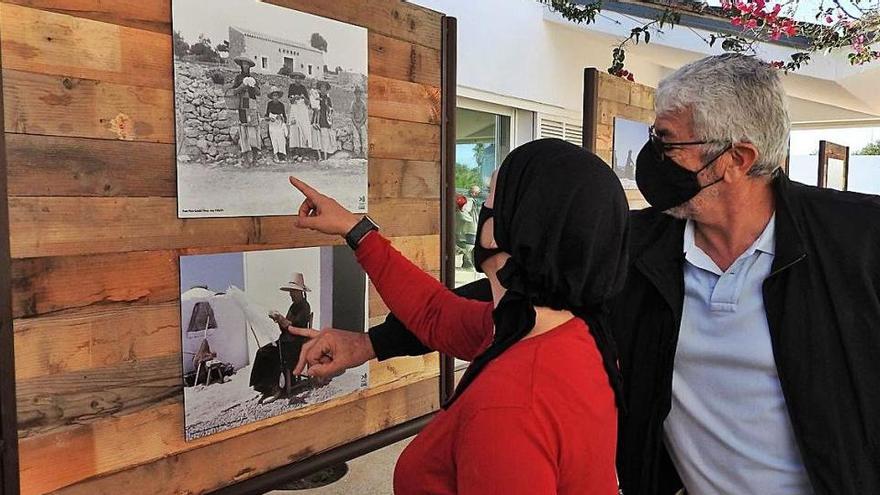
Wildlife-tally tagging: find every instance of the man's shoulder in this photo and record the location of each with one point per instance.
(835, 208)
(648, 225)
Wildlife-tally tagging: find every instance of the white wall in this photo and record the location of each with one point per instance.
(513, 49)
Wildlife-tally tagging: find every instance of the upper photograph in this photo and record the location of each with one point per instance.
(261, 93)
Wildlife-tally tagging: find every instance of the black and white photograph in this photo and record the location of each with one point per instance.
(629, 137)
(263, 92)
(238, 353)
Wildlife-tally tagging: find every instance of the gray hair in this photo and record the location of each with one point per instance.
(733, 98)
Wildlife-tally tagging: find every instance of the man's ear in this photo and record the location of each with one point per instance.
(743, 157)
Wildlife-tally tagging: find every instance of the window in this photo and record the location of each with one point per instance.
(265, 63)
(482, 141)
(553, 127)
(202, 318)
(310, 69)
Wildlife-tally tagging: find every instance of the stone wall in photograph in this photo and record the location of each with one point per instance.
(206, 129)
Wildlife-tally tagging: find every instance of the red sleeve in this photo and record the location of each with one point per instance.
(440, 319)
(504, 450)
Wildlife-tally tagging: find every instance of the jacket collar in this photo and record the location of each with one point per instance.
(789, 234)
(662, 257)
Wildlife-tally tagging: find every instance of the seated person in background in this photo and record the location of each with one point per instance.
(535, 412)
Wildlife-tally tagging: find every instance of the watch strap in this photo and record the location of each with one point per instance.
(362, 228)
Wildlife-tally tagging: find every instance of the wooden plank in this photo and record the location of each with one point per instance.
(614, 89)
(69, 106)
(103, 281)
(64, 166)
(53, 401)
(404, 179)
(404, 140)
(642, 96)
(153, 15)
(45, 285)
(394, 369)
(402, 100)
(50, 43)
(73, 226)
(81, 339)
(63, 106)
(395, 18)
(396, 59)
(152, 439)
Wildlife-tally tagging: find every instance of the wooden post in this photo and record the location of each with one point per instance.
(8, 416)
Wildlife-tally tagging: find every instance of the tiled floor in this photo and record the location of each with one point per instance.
(367, 475)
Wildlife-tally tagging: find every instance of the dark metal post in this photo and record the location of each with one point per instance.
(590, 110)
(447, 180)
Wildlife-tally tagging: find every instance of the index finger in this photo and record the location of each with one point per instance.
(303, 332)
(308, 191)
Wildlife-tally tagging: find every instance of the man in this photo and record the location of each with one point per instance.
(247, 89)
(749, 329)
(358, 112)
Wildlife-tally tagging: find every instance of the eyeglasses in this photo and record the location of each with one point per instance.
(661, 146)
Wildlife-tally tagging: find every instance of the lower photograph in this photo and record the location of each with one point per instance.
(238, 355)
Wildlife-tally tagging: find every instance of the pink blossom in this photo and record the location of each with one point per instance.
(752, 23)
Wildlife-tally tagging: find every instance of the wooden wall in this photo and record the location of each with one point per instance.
(613, 97)
(95, 242)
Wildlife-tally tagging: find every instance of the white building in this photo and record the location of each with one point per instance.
(520, 71)
(270, 54)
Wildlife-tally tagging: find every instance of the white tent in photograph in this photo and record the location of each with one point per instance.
(217, 318)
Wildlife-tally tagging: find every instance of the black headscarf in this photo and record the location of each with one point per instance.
(562, 215)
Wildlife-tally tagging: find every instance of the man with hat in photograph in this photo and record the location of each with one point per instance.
(246, 87)
(298, 315)
(300, 123)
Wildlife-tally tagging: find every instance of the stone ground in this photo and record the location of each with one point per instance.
(218, 407)
(263, 189)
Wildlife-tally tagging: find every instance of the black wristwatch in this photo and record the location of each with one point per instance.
(362, 228)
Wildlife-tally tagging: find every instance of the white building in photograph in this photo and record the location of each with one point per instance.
(270, 53)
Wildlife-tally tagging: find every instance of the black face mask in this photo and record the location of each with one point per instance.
(665, 183)
(481, 254)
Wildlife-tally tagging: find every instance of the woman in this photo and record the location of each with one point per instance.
(535, 412)
(300, 123)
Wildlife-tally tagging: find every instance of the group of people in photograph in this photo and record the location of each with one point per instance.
(300, 130)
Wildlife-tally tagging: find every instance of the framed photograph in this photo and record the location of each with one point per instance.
(833, 165)
(263, 92)
(629, 137)
(237, 361)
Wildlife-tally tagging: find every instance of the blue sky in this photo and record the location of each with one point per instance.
(217, 271)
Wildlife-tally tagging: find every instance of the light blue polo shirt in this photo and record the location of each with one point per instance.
(728, 431)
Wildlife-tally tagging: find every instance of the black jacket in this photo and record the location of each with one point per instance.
(823, 308)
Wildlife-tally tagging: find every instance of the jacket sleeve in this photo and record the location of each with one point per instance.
(523, 463)
(392, 339)
(440, 319)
